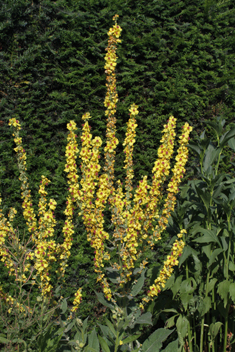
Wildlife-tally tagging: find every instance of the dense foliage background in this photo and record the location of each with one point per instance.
(176, 57)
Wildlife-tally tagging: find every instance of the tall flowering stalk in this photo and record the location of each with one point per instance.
(137, 221)
(33, 260)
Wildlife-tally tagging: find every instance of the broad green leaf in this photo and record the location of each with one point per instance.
(105, 330)
(3, 340)
(103, 343)
(231, 143)
(154, 342)
(188, 285)
(186, 253)
(223, 290)
(138, 286)
(214, 256)
(211, 154)
(195, 147)
(226, 137)
(232, 291)
(205, 306)
(211, 284)
(176, 287)
(214, 329)
(64, 306)
(171, 321)
(209, 236)
(172, 347)
(205, 197)
(182, 328)
(111, 327)
(224, 243)
(231, 266)
(103, 301)
(93, 341)
(145, 318)
(185, 299)
(131, 338)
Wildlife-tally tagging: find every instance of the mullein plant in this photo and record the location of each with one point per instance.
(136, 220)
(31, 262)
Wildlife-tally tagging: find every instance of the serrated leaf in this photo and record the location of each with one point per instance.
(205, 305)
(223, 290)
(232, 291)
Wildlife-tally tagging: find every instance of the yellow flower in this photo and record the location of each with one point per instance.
(134, 109)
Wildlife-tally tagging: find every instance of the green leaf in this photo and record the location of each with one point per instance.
(231, 266)
(208, 237)
(3, 340)
(214, 256)
(176, 287)
(205, 197)
(131, 338)
(214, 329)
(103, 301)
(138, 286)
(172, 347)
(205, 306)
(64, 306)
(93, 341)
(231, 143)
(210, 155)
(185, 299)
(223, 290)
(103, 343)
(232, 291)
(154, 342)
(226, 137)
(195, 147)
(145, 318)
(111, 327)
(211, 284)
(182, 328)
(171, 321)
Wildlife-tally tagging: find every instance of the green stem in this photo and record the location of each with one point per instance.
(226, 326)
(203, 319)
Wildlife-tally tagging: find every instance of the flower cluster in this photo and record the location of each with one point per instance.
(111, 99)
(128, 150)
(167, 270)
(44, 252)
(77, 300)
(28, 211)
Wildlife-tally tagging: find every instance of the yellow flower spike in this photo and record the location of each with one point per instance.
(167, 270)
(77, 300)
